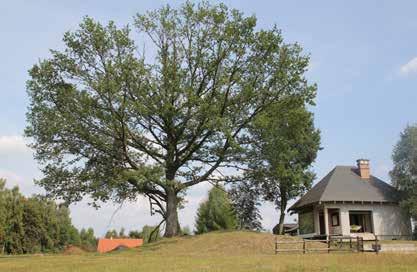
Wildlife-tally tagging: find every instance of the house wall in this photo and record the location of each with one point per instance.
(387, 219)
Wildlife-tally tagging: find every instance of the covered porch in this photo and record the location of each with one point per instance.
(336, 220)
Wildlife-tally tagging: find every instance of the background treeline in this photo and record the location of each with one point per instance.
(149, 234)
(36, 224)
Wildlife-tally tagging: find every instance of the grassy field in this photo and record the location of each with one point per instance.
(229, 251)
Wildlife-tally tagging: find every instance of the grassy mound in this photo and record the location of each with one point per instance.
(236, 243)
(73, 250)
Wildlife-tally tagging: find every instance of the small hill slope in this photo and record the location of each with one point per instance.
(217, 243)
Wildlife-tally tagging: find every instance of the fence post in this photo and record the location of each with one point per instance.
(376, 245)
(328, 243)
(357, 243)
(276, 245)
(350, 242)
(304, 246)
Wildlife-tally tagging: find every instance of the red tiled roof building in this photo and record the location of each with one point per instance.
(106, 245)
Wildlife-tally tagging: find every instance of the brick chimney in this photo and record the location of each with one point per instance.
(363, 168)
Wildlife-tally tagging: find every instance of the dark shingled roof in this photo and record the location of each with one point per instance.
(343, 183)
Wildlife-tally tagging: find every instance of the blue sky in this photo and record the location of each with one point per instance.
(363, 58)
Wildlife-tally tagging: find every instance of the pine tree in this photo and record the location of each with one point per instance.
(245, 197)
(216, 213)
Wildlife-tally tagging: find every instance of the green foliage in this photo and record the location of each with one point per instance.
(33, 224)
(114, 234)
(135, 234)
(122, 233)
(3, 214)
(88, 240)
(245, 197)
(150, 234)
(404, 174)
(74, 236)
(111, 234)
(216, 213)
(107, 123)
(13, 242)
(284, 145)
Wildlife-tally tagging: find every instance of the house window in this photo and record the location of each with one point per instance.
(335, 219)
(361, 221)
(306, 222)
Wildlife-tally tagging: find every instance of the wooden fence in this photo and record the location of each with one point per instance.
(330, 244)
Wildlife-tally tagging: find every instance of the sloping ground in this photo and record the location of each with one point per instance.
(235, 243)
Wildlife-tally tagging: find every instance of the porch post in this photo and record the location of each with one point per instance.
(326, 220)
(316, 212)
(344, 221)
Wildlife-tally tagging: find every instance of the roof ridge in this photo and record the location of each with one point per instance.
(376, 179)
(327, 177)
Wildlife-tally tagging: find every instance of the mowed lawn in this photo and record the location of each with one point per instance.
(227, 251)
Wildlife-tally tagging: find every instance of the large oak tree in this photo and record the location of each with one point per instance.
(109, 123)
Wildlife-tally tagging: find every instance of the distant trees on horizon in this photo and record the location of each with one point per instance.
(37, 225)
(148, 234)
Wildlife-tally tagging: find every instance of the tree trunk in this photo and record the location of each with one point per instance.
(283, 207)
(172, 227)
(281, 222)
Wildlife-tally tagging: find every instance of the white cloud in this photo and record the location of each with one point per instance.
(409, 68)
(24, 183)
(12, 178)
(13, 144)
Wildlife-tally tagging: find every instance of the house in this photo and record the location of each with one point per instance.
(349, 201)
(107, 245)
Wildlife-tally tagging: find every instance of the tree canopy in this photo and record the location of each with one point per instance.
(284, 145)
(109, 123)
(404, 173)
